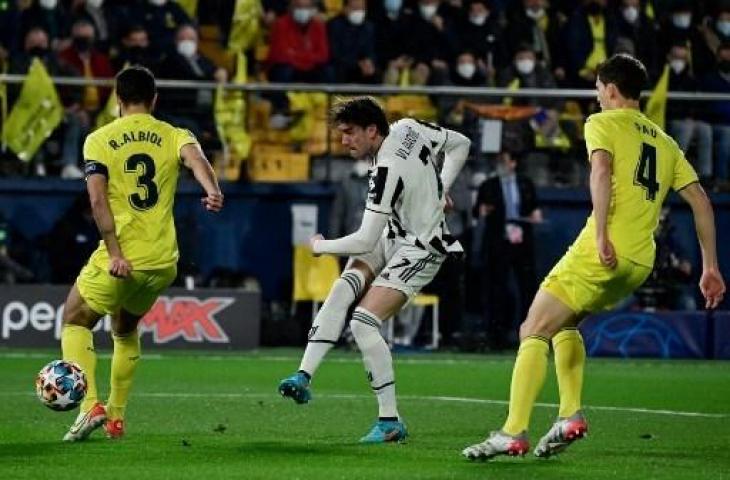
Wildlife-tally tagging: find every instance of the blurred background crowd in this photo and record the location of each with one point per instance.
(520, 142)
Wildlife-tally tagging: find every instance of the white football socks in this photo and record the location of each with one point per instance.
(377, 359)
(330, 320)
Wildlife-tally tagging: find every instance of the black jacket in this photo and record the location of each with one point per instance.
(490, 193)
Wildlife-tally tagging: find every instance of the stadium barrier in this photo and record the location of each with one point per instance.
(209, 319)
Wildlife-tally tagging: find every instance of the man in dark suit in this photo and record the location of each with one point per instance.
(508, 204)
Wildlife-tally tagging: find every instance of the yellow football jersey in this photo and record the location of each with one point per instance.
(140, 156)
(646, 164)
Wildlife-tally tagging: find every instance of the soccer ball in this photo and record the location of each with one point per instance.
(61, 385)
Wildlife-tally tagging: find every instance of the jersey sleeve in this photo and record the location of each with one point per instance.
(598, 136)
(684, 173)
(385, 186)
(183, 137)
(95, 160)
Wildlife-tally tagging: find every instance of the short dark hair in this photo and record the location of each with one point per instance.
(361, 111)
(136, 84)
(626, 72)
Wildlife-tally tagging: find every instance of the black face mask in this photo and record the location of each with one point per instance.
(82, 44)
(136, 52)
(724, 66)
(594, 9)
(38, 52)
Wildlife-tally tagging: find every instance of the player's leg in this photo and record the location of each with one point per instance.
(141, 292)
(408, 270)
(127, 352)
(330, 320)
(379, 303)
(546, 316)
(92, 294)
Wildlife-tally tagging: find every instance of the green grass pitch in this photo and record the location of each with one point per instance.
(210, 416)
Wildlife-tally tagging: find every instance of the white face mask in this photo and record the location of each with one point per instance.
(356, 17)
(631, 14)
(723, 26)
(95, 3)
(525, 65)
(187, 48)
(302, 15)
(677, 65)
(158, 3)
(48, 4)
(466, 70)
(428, 11)
(478, 20)
(682, 20)
(535, 14)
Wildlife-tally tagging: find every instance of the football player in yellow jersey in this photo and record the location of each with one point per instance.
(132, 167)
(634, 164)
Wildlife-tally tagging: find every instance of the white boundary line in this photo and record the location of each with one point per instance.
(347, 396)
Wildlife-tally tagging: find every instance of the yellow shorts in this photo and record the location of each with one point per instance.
(585, 285)
(136, 294)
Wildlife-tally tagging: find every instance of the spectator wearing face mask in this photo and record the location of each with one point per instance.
(390, 18)
(684, 119)
(50, 16)
(719, 115)
(161, 19)
(639, 31)
(680, 27)
(429, 43)
(590, 37)
(715, 29)
(530, 23)
(135, 50)
(190, 108)
(526, 72)
(36, 44)
(478, 31)
(89, 62)
(94, 12)
(466, 72)
(352, 45)
(298, 52)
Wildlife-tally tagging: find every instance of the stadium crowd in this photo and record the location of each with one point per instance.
(513, 44)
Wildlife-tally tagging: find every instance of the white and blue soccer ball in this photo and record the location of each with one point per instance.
(61, 385)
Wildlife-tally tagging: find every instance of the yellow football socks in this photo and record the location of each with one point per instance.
(528, 377)
(124, 363)
(77, 345)
(570, 357)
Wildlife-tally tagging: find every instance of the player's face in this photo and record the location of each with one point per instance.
(359, 141)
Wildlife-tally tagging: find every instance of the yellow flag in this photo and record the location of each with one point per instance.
(230, 117)
(513, 85)
(35, 115)
(656, 106)
(313, 276)
(190, 7)
(245, 26)
(3, 113)
(110, 112)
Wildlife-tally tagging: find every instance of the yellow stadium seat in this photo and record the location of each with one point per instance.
(274, 166)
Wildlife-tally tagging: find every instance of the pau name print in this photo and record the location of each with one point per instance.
(139, 136)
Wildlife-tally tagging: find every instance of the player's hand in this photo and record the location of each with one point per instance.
(213, 202)
(314, 240)
(712, 287)
(607, 253)
(119, 267)
(449, 203)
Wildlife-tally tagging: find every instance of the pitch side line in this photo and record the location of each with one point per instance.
(483, 401)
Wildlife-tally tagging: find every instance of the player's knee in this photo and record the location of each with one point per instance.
(537, 325)
(363, 324)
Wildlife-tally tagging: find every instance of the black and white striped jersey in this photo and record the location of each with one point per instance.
(405, 183)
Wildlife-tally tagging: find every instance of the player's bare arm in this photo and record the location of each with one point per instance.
(194, 159)
(712, 284)
(600, 183)
(97, 187)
